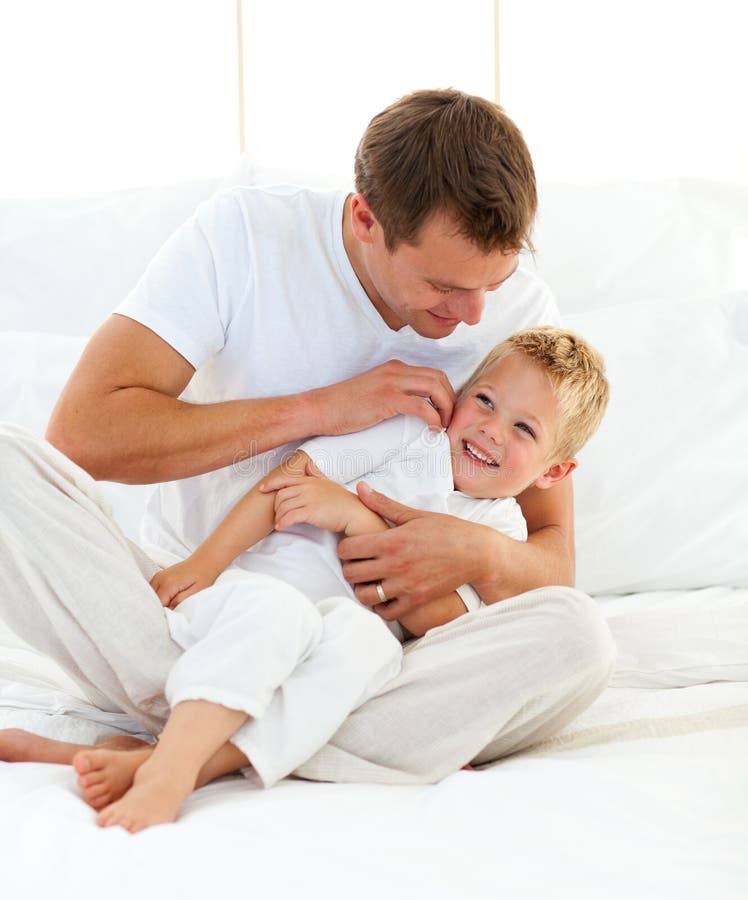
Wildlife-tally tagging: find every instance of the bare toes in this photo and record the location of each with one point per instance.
(96, 790)
(97, 794)
(132, 823)
(90, 780)
(107, 816)
(82, 763)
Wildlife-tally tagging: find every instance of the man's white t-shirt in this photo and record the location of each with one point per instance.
(257, 292)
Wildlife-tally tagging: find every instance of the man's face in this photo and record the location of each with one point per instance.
(503, 429)
(432, 285)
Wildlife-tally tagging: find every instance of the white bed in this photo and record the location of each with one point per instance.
(646, 794)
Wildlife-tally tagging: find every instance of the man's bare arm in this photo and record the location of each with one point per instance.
(428, 555)
(433, 614)
(250, 520)
(550, 552)
(120, 419)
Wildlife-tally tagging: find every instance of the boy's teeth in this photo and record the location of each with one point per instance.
(481, 457)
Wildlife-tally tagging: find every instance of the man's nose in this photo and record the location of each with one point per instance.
(469, 306)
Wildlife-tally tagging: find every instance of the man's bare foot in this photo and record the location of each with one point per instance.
(155, 798)
(23, 746)
(104, 775)
(123, 742)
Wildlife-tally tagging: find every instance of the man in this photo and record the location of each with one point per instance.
(331, 313)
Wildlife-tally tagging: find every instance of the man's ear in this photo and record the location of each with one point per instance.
(557, 472)
(362, 218)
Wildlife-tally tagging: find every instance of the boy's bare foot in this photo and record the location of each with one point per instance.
(23, 746)
(155, 798)
(104, 775)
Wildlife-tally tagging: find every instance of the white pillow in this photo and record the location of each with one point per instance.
(33, 370)
(662, 488)
(672, 639)
(66, 263)
(621, 242)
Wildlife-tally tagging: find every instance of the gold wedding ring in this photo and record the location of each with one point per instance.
(380, 592)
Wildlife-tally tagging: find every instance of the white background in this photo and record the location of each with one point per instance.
(634, 89)
(97, 95)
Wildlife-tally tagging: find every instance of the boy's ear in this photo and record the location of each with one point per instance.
(557, 472)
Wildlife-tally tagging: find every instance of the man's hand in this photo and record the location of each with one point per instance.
(425, 556)
(388, 390)
(178, 582)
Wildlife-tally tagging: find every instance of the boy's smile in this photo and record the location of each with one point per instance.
(503, 429)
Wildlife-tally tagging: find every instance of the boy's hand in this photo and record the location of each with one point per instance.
(178, 582)
(313, 499)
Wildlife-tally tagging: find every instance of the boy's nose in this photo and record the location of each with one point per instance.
(493, 432)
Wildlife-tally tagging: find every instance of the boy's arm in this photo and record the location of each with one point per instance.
(311, 498)
(294, 492)
(249, 521)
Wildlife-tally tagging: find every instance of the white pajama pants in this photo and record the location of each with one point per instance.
(486, 685)
(254, 643)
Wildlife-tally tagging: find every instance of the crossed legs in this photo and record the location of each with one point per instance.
(134, 784)
(488, 684)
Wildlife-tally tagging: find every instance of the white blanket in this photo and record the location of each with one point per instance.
(659, 817)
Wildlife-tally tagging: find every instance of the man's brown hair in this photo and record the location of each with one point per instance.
(445, 151)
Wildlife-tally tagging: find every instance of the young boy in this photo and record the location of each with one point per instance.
(519, 421)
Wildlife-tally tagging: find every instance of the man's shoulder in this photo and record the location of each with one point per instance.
(524, 301)
(526, 280)
(276, 197)
(252, 213)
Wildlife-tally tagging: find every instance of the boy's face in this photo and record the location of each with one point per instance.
(503, 430)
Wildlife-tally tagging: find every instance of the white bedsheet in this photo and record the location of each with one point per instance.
(644, 796)
(653, 818)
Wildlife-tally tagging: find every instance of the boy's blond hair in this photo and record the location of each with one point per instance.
(443, 151)
(576, 373)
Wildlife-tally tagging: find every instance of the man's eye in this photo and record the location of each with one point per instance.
(440, 290)
(485, 400)
(523, 427)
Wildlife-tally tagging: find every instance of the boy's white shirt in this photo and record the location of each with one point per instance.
(404, 459)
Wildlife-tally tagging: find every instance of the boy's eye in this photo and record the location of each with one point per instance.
(440, 290)
(484, 400)
(524, 427)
